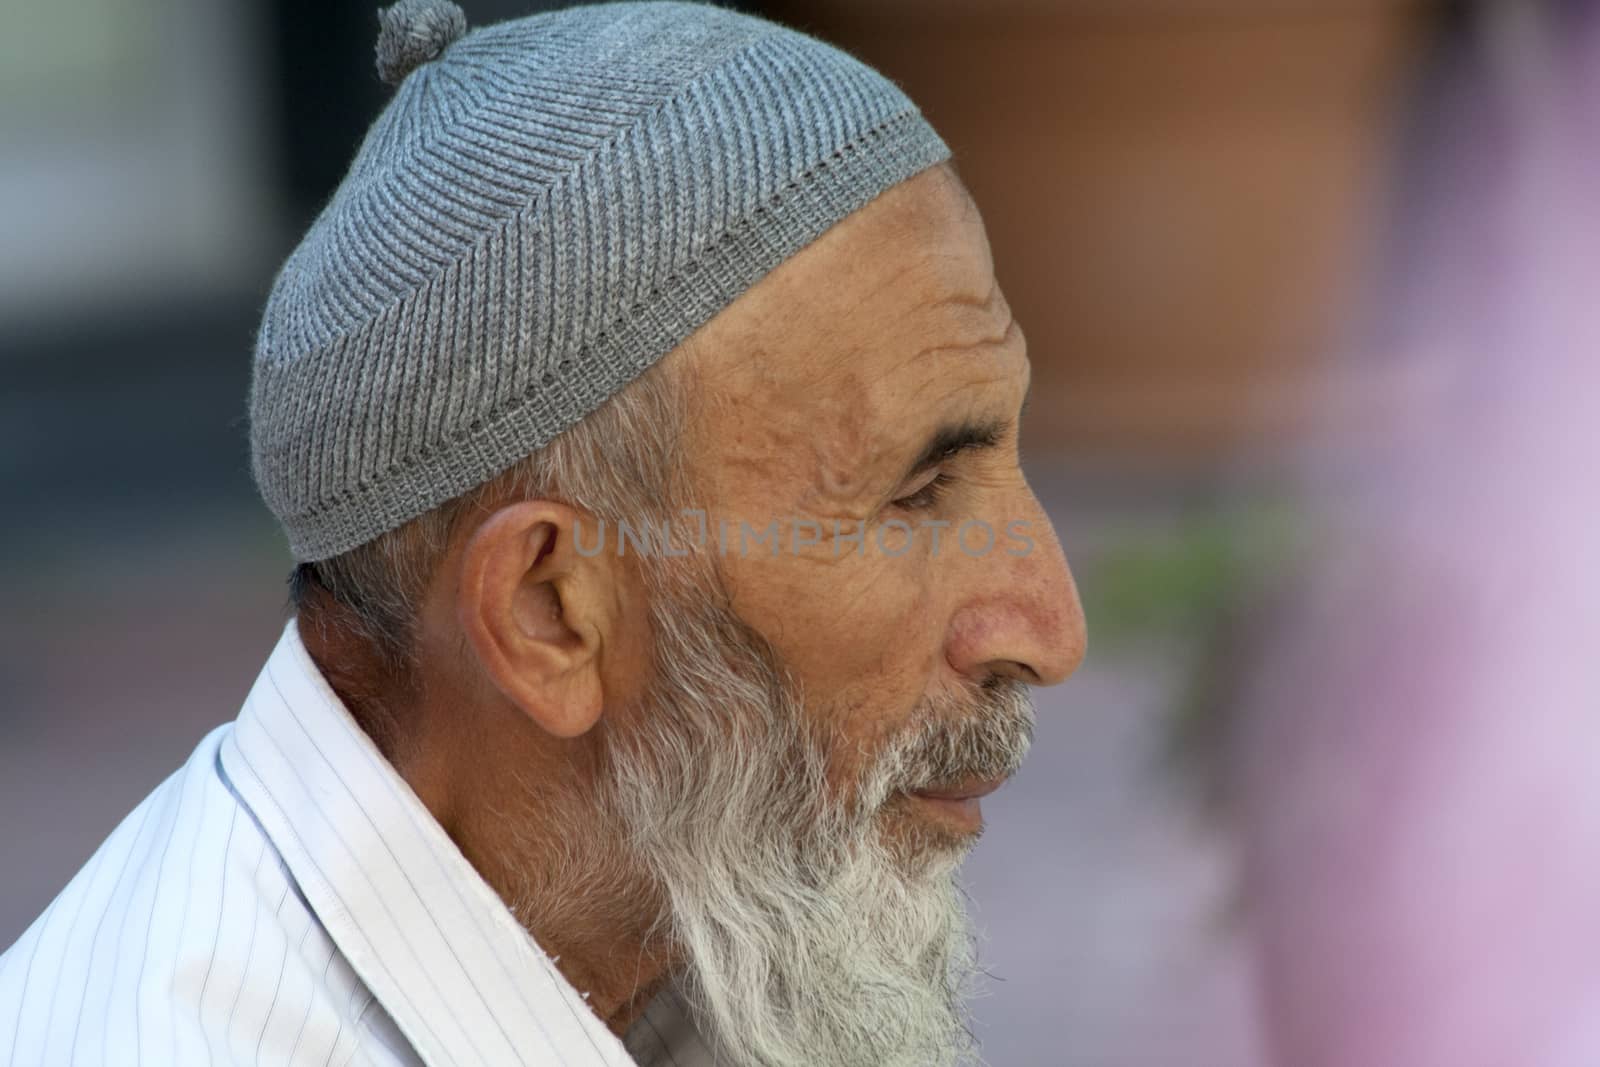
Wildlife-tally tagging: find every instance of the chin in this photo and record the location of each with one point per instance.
(925, 844)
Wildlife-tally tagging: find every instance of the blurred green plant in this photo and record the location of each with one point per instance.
(1198, 588)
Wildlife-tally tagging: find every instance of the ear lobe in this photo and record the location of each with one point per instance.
(525, 607)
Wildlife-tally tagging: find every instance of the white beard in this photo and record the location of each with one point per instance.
(811, 937)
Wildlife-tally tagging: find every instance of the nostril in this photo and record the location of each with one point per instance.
(1032, 676)
(1011, 670)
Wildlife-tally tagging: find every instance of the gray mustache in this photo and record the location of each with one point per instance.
(959, 741)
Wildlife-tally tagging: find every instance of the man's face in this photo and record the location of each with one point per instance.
(894, 582)
(806, 698)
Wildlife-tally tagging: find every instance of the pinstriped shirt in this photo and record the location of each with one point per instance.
(285, 898)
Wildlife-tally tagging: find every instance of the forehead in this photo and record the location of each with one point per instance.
(889, 318)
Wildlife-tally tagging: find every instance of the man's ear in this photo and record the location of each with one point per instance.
(538, 613)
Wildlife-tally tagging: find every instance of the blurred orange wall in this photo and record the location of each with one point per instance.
(1177, 193)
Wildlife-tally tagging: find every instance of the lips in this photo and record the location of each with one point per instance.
(973, 790)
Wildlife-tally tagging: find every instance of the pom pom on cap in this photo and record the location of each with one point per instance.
(412, 32)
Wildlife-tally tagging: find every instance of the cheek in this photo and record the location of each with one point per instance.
(839, 617)
(862, 634)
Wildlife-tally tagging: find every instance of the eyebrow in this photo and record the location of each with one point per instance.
(958, 437)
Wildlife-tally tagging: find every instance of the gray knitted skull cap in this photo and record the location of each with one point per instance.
(546, 207)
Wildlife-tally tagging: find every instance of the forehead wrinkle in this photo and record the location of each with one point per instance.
(904, 266)
(964, 318)
(968, 347)
(935, 275)
(977, 345)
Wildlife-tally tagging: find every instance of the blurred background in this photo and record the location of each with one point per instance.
(1307, 286)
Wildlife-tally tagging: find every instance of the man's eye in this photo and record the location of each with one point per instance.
(926, 494)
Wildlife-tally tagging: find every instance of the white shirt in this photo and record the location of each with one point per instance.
(285, 898)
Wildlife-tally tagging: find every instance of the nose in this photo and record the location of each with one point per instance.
(1021, 617)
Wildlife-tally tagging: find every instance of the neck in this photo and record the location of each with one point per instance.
(510, 797)
(566, 880)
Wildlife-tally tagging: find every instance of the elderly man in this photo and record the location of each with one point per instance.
(642, 413)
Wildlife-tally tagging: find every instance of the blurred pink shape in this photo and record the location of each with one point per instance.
(1422, 762)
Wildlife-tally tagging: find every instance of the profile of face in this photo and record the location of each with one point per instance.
(826, 705)
(796, 779)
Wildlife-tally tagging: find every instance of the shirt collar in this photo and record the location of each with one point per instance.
(434, 943)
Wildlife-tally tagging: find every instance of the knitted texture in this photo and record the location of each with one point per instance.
(545, 208)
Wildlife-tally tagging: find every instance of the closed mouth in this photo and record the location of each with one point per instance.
(970, 790)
